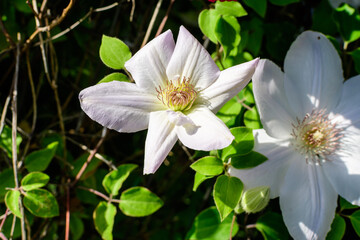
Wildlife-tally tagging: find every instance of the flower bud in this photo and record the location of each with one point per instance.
(255, 199)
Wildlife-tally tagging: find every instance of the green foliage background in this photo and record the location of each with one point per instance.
(54, 137)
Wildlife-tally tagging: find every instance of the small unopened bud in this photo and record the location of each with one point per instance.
(255, 199)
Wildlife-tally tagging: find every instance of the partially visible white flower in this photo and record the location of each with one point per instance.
(337, 3)
(311, 135)
(177, 90)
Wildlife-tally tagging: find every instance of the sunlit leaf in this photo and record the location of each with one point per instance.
(227, 31)
(114, 52)
(198, 179)
(337, 230)
(231, 8)
(139, 202)
(40, 160)
(41, 203)
(348, 22)
(114, 77)
(208, 166)
(252, 119)
(34, 180)
(207, 23)
(113, 181)
(227, 192)
(249, 160)
(12, 198)
(242, 144)
(104, 216)
(6, 141)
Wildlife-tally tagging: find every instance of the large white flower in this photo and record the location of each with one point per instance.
(177, 90)
(311, 135)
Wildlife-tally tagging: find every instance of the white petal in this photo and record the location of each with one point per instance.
(192, 61)
(270, 173)
(349, 107)
(268, 86)
(148, 65)
(343, 171)
(121, 106)
(209, 133)
(160, 139)
(313, 74)
(230, 83)
(307, 201)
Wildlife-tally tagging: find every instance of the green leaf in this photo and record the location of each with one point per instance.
(227, 31)
(242, 144)
(208, 166)
(283, 2)
(259, 6)
(346, 205)
(249, 160)
(227, 193)
(6, 141)
(232, 8)
(198, 179)
(355, 221)
(6, 181)
(40, 160)
(77, 226)
(34, 180)
(248, 94)
(272, 226)
(322, 11)
(12, 199)
(113, 181)
(139, 202)
(104, 216)
(356, 57)
(208, 225)
(207, 23)
(114, 77)
(41, 203)
(114, 52)
(347, 20)
(252, 119)
(255, 32)
(229, 112)
(337, 230)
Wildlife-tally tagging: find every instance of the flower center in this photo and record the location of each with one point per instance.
(178, 95)
(316, 137)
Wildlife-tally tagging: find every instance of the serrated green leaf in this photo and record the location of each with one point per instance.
(113, 181)
(207, 23)
(283, 2)
(114, 52)
(208, 226)
(227, 32)
(227, 193)
(41, 203)
(259, 6)
(232, 8)
(252, 119)
(208, 166)
(249, 160)
(272, 226)
(347, 20)
(242, 144)
(355, 221)
(139, 202)
(198, 179)
(337, 230)
(34, 180)
(12, 198)
(104, 216)
(114, 77)
(6, 141)
(40, 160)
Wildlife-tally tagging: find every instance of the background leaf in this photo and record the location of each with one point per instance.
(40, 160)
(249, 160)
(272, 226)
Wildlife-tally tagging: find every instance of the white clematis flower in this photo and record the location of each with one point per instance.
(337, 3)
(311, 135)
(177, 90)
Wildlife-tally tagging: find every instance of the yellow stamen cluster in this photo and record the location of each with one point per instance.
(178, 95)
(316, 137)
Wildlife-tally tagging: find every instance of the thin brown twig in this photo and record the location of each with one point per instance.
(88, 160)
(14, 133)
(2, 236)
(151, 24)
(7, 212)
(100, 194)
(162, 24)
(3, 115)
(132, 10)
(232, 225)
(7, 35)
